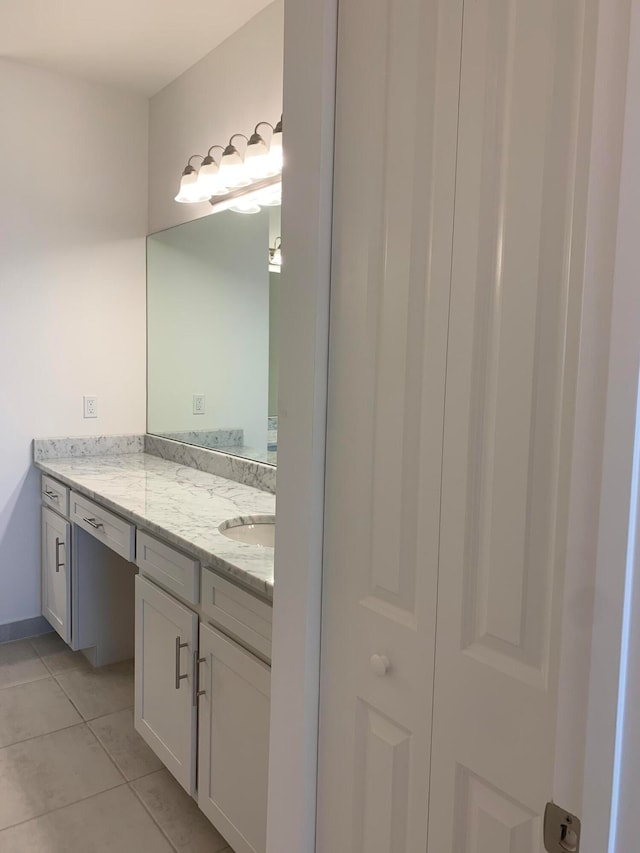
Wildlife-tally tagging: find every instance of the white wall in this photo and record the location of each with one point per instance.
(208, 310)
(73, 206)
(235, 86)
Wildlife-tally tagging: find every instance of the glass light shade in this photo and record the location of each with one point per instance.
(209, 181)
(190, 192)
(246, 206)
(257, 161)
(232, 169)
(275, 152)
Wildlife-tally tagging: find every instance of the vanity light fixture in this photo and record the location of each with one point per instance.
(275, 149)
(189, 191)
(232, 169)
(236, 172)
(209, 180)
(257, 158)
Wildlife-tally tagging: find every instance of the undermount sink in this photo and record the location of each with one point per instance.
(253, 530)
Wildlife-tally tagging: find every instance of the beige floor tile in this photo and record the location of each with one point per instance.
(112, 822)
(33, 709)
(97, 692)
(125, 746)
(56, 654)
(178, 814)
(52, 771)
(47, 644)
(20, 663)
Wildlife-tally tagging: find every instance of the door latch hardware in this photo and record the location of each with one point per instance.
(561, 830)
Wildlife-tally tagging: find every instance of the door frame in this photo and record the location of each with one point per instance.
(596, 563)
(310, 40)
(617, 558)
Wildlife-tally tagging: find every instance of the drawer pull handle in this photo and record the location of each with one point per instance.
(196, 677)
(179, 677)
(51, 495)
(95, 524)
(59, 565)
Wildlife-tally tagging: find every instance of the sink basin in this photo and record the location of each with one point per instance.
(253, 530)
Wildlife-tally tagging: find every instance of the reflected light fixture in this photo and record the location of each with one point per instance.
(189, 191)
(275, 255)
(245, 206)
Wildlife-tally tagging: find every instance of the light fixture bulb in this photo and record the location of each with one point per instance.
(257, 161)
(209, 181)
(190, 192)
(232, 168)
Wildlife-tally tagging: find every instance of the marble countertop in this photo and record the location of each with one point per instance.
(181, 505)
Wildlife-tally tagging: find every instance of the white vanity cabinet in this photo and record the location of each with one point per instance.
(205, 689)
(56, 572)
(233, 742)
(165, 704)
(201, 647)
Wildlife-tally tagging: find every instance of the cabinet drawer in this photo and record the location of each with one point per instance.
(244, 616)
(55, 495)
(116, 533)
(168, 567)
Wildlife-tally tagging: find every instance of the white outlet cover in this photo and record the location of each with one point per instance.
(90, 406)
(198, 404)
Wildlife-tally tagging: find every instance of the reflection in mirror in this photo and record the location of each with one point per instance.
(212, 314)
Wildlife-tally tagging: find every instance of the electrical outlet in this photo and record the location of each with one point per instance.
(90, 407)
(198, 404)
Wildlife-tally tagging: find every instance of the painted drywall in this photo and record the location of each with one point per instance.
(73, 206)
(208, 325)
(235, 86)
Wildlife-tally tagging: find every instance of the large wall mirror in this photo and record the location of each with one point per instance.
(212, 310)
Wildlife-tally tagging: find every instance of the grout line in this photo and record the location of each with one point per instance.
(42, 734)
(28, 681)
(148, 810)
(61, 808)
(106, 751)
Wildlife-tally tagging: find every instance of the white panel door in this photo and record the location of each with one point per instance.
(397, 107)
(56, 572)
(511, 370)
(233, 740)
(165, 706)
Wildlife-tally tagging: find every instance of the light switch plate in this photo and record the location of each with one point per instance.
(90, 406)
(198, 404)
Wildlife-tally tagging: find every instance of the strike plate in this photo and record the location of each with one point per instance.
(561, 830)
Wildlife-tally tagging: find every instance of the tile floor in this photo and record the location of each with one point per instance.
(75, 777)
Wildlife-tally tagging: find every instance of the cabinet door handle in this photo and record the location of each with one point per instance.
(59, 565)
(179, 677)
(95, 524)
(51, 495)
(196, 677)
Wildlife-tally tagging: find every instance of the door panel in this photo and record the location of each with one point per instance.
(508, 420)
(398, 80)
(56, 572)
(165, 713)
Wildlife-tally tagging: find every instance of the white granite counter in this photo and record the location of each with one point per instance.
(181, 505)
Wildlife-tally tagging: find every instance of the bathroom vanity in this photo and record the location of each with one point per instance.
(134, 564)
